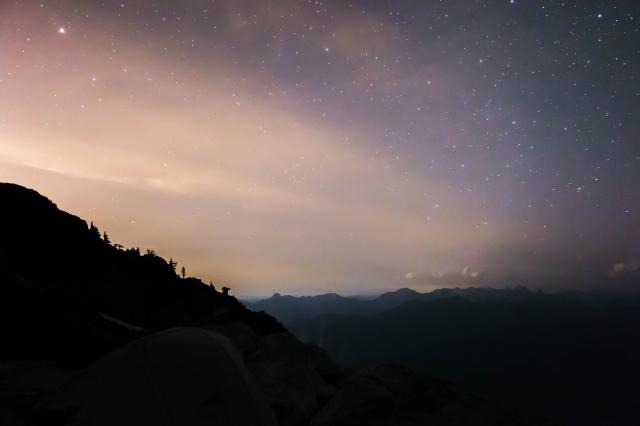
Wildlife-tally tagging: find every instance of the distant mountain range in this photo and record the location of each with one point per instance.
(573, 355)
(291, 309)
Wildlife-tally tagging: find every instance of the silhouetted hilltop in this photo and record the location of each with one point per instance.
(62, 283)
(395, 298)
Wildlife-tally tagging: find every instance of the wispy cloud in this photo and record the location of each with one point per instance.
(625, 269)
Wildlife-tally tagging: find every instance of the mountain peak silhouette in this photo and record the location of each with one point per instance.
(59, 277)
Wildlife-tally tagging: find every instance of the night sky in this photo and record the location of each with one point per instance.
(310, 146)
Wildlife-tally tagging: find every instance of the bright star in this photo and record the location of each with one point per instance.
(62, 30)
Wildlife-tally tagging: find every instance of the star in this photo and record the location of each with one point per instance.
(62, 30)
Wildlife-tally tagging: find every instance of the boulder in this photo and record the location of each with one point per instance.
(386, 395)
(297, 378)
(181, 376)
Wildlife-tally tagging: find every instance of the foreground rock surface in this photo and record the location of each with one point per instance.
(386, 395)
(227, 375)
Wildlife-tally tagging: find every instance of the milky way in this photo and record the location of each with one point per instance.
(306, 146)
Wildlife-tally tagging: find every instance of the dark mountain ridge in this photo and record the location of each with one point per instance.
(93, 333)
(59, 275)
(292, 309)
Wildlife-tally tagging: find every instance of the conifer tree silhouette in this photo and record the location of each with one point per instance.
(94, 230)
